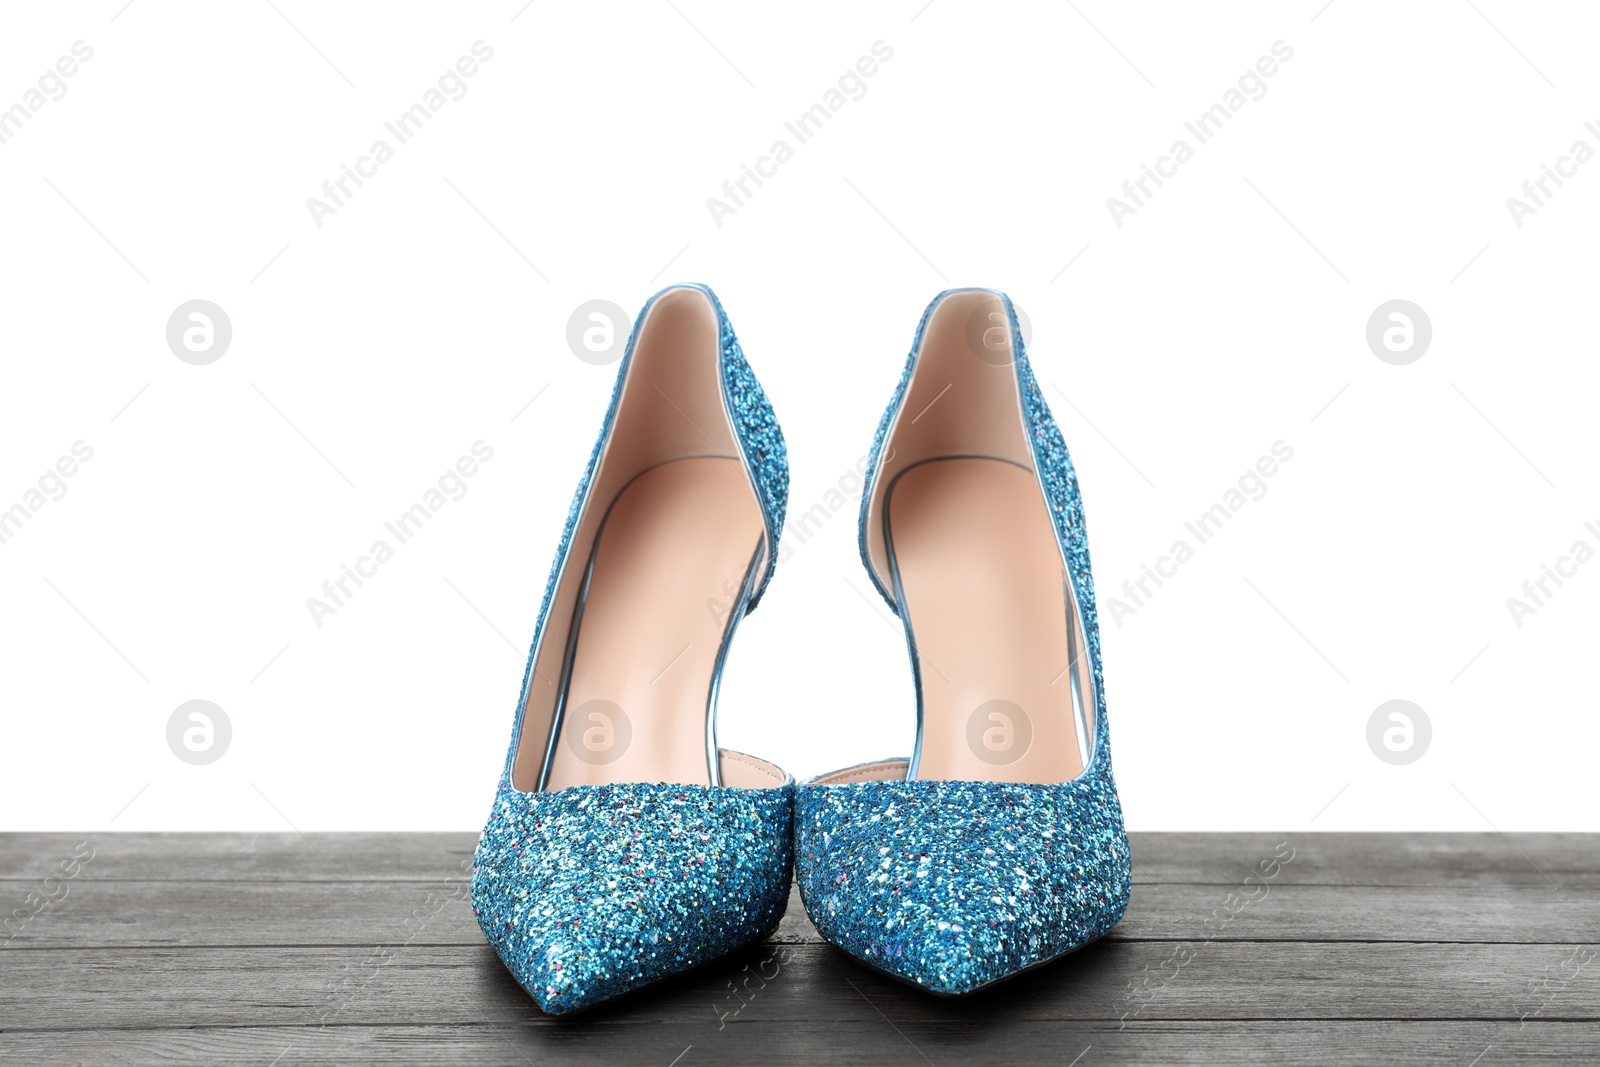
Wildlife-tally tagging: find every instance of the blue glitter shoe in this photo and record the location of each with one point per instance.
(998, 845)
(624, 845)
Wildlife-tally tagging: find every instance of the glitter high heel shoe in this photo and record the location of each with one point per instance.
(998, 845)
(624, 846)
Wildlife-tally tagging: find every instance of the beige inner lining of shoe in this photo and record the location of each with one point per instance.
(890, 770)
(958, 512)
(981, 575)
(671, 525)
(747, 772)
(649, 635)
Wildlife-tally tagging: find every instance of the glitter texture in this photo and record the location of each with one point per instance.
(954, 885)
(758, 434)
(592, 891)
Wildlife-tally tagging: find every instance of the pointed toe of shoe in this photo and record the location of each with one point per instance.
(590, 892)
(956, 885)
(561, 974)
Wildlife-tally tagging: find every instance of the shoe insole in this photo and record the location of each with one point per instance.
(669, 562)
(984, 593)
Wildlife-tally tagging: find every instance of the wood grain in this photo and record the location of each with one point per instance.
(108, 913)
(808, 1042)
(362, 948)
(1568, 860)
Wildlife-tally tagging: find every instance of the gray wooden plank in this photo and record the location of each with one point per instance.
(808, 1042)
(1569, 860)
(286, 857)
(425, 984)
(108, 913)
(1566, 860)
(1301, 973)
(1285, 911)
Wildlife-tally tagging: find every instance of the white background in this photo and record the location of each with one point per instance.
(1227, 314)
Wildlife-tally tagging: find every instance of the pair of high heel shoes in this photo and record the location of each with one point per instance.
(626, 846)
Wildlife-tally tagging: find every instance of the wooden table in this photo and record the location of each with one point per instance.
(1464, 949)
